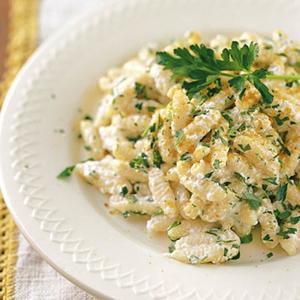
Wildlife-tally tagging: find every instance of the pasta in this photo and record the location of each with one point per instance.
(207, 166)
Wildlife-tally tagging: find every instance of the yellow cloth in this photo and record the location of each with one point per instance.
(22, 39)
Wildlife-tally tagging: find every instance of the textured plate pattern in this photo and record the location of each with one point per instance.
(56, 216)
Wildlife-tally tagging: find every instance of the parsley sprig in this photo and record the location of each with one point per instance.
(200, 68)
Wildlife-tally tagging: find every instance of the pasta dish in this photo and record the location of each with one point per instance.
(202, 138)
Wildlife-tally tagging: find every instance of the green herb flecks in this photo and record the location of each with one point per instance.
(285, 234)
(216, 164)
(124, 191)
(179, 136)
(140, 163)
(172, 247)
(129, 213)
(185, 156)
(157, 159)
(246, 239)
(140, 91)
(281, 192)
(134, 139)
(295, 220)
(244, 148)
(253, 201)
(174, 224)
(267, 238)
(67, 172)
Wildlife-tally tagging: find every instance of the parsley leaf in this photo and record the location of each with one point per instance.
(200, 68)
(253, 201)
(246, 238)
(244, 148)
(140, 91)
(179, 136)
(157, 159)
(174, 224)
(185, 156)
(67, 172)
(295, 220)
(124, 191)
(141, 162)
(281, 192)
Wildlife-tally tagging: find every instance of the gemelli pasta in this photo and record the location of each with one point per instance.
(203, 140)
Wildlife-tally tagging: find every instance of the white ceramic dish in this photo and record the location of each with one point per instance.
(66, 220)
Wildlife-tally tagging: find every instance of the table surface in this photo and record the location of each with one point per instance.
(3, 32)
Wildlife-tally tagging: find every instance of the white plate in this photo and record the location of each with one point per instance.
(66, 220)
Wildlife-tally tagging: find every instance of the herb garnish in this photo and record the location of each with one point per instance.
(281, 192)
(174, 224)
(185, 156)
(139, 106)
(246, 238)
(244, 148)
(179, 136)
(157, 159)
(140, 162)
(267, 238)
(140, 91)
(67, 172)
(253, 201)
(124, 191)
(199, 65)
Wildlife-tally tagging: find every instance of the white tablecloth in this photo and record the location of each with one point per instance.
(35, 279)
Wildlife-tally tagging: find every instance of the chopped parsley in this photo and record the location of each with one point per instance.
(88, 117)
(179, 136)
(267, 238)
(174, 224)
(244, 148)
(271, 180)
(242, 127)
(253, 201)
(295, 220)
(246, 239)
(158, 212)
(185, 156)
(171, 247)
(282, 215)
(208, 175)
(284, 149)
(281, 192)
(132, 199)
(216, 164)
(270, 254)
(225, 252)
(240, 177)
(134, 139)
(140, 91)
(124, 191)
(204, 144)
(140, 163)
(227, 117)
(157, 159)
(129, 213)
(87, 147)
(151, 108)
(139, 106)
(279, 121)
(67, 172)
(285, 233)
